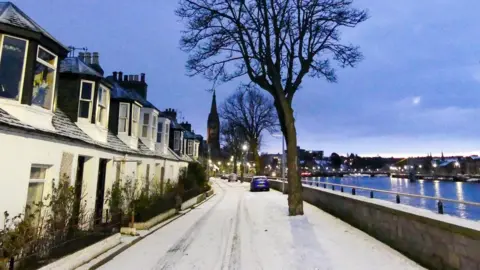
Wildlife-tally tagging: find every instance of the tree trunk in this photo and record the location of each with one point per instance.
(287, 121)
(235, 163)
(256, 157)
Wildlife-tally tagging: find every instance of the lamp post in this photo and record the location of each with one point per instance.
(244, 148)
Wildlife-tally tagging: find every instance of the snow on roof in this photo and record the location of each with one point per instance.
(12, 15)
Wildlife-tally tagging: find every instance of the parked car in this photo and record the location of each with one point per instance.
(232, 177)
(224, 176)
(259, 183)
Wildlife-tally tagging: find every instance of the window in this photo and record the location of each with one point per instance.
(176, 140)
(135, 120)
(103, 102)
(190, 148)
(12, 63)
(159, 132)
(35, 187)
(154, 127)
(86, 97)
(44, 80)
(123, 117)
(167, 131)
(146, 119)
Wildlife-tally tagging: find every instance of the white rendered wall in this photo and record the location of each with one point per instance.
(20, 151)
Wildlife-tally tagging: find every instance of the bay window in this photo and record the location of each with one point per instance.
(12, 64)
(86, 99)
(123, 117)
(190, 148)
(146, 119)
(103, 102)
(135, 120)
(176, 140)
(44, 78)
(159, 132)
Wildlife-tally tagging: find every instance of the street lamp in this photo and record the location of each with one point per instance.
(244, 148)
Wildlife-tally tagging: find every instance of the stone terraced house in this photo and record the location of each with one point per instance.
(60, 117)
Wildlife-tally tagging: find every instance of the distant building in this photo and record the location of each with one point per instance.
(213, 131)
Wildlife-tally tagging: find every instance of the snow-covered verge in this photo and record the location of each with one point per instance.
(238, 229)
(80, 257)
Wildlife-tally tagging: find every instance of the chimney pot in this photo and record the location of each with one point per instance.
(114, 75)
(142, 77)
(95, 58)
(135, 78)
(88, 58)
(130, 78)
(120, 76)
(81, 56)
(125, 78)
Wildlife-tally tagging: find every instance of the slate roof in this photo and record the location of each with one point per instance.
(75, 65)
(12, 15)
(66, 128)
(189, 135)
(120, 92)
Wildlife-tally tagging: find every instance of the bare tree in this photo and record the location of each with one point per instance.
(232, 139)
(276, 43)
(252, 113)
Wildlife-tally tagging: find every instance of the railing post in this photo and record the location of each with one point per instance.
(318, 184)
(341, 189)
(333, 187)
(371, 194)
(324, 185)
(353, 191)
(398, 198)
(440, 207)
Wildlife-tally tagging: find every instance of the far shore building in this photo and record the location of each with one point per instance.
(61, 118)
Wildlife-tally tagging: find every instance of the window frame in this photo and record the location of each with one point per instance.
(80, 99)
(147, 125)
(159, 132)
(190, 147)
(106, 107)
(167, 133)
(54, 67)
(22, 80)
(135, 120)
(176, 140)
(127, 118)
(153, 127)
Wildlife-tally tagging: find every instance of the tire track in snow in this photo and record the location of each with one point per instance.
(235, 251)
(177, 251)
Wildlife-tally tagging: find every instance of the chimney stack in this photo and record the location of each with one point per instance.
(120, 76)
(88, 58)
(125, 78)
(115, 76)
(81, 56)
(142, 77)
(95, 58)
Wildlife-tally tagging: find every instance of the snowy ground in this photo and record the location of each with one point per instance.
(237, 229)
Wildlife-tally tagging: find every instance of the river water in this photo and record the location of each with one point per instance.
(462, 191)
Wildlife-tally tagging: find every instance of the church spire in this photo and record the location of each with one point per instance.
(213, 109)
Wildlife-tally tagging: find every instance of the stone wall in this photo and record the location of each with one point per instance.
(433, 240)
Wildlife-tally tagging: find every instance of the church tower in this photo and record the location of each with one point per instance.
(213, 130)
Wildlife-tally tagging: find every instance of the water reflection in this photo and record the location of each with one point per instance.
(444, 189)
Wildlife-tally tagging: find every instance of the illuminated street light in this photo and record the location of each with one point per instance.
(219, 163)
(245, 147)
(435, 165)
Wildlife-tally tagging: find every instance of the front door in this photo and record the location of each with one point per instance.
(78, 190)
(99, 201)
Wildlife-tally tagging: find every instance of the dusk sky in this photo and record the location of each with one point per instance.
(416, 92)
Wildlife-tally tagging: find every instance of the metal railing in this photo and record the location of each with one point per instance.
(372, 191)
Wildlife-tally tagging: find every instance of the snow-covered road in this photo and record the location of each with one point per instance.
(238, 229)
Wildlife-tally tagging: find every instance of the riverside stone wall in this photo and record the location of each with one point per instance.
(434, 243)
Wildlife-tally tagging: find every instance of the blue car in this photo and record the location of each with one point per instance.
(259, 183)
